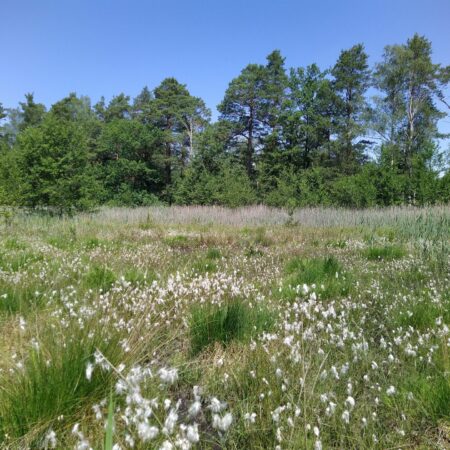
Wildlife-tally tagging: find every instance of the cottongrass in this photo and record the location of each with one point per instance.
(351, 353)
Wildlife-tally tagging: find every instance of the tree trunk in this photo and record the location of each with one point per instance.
(249, 153)
(168, 164)
(168, 156)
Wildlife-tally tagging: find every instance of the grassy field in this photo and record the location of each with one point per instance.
(213, 328)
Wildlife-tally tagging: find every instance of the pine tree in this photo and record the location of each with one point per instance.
(351, 79)
(308, 117)
(406, 116)
(31, 113)
(179, 115)
(244, 106)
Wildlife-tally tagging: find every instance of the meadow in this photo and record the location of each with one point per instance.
(208, 328)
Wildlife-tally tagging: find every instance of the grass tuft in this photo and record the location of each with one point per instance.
(51, 383)
(233, 321)
(386, 253)
(213, 253)
(326, 274)
(100, 277)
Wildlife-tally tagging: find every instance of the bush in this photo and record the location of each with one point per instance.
(310, 187)
(357, 191)
(232, 187)
(126, 196)
(53, 164)
(229, 186)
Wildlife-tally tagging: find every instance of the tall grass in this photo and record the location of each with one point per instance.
(205, 284)
(327, 274)
(51, 382)
(222, 324)
(427, 220)
(387, 252)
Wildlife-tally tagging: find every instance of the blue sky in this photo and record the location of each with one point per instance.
(104, 47)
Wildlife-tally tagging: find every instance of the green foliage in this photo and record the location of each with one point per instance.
(136, 276)
(99, 277)
(180, 116)
(313, 270)
(213, 253)
(351, 79)
(231, 187)
(179, 241)
(423, 314)
(244, 107)
(326, 274)
(13, 243)
(109, 434)
(307, 120)
(444, 188)
(387, 252)
(13, 262)
(130, 152)
(53, 382)
(232, 321)
(407, 116)
(21, 299)
(204, 266)
(431, 392)
(127, 196)
(52, 163)
(32, 113)
(286, 139)
(9, 179)
(355, 191)
(308, 188)
(93, 242)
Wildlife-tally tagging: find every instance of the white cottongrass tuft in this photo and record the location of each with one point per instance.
(195, 409)
(250, 417)
(168, 376)
(147, 432)
(192, 434)
(390, 390)
(89, 370)
(346, 416)
(350, 402)
(50, 440)
(222, 423)
(216, 405)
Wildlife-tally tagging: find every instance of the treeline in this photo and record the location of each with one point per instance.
(350, 135)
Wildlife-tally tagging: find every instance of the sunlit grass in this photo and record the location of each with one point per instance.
(276, 323)
(232, 321)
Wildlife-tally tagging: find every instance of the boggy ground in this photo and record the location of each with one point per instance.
(211, 328)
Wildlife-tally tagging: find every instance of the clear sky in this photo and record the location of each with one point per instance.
(104, 47)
